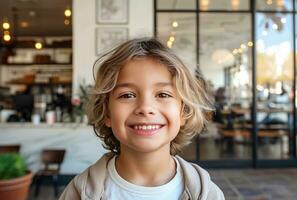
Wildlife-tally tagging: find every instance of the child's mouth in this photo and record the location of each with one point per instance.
(147, 129)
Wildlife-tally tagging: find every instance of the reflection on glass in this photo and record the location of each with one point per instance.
(296, 59)
(225, 59)
(274, 5)
(178, 31)
(223, 5)
(176, 4)
(274, 84)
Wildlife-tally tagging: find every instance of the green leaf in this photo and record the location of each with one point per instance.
(12, 165)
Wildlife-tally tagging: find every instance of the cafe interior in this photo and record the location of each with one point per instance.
(245, 49)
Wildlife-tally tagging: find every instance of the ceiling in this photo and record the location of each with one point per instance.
(43, 17)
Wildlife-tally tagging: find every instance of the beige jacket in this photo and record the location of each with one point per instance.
(90, 184)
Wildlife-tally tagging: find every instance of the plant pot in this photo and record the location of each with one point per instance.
(15, 189)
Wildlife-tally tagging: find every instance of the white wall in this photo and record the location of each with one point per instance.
(140, 24)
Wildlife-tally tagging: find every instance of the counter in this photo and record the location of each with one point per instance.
(83, 147)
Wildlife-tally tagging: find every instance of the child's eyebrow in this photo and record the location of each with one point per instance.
(164, 84)
(125, 85)
(132, 85)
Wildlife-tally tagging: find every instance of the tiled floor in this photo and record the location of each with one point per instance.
(247, 184)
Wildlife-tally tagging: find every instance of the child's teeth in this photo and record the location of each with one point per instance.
(146, 127)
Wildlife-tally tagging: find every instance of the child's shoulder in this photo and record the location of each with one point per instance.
(96, 173)
(198, 182)
(90, 182)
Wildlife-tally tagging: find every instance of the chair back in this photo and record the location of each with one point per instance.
(10, 148)
(53, 157)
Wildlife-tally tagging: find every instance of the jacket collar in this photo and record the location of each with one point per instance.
(96, 176)
(196, 179)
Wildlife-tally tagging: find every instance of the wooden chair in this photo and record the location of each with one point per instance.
(15, 148)
(52, 160)
(245, 136)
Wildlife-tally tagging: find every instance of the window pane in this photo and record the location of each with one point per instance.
(225, 61)
(274, 84)
(176, 4)
(275, 5)
(224, 5)
(178, 31)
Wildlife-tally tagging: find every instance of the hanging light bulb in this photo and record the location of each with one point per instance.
(280, 3)
(175, 24)
(169, 44)
(243, 46)
(269, 2)
(284, 20)
(38, 45)
(264, 33)
(66, 22)
(6, 38)
(235, 4)
(5, 25)
(235, 51)
(250, 43)
(204, 4)
(24, 24)
(67, 12)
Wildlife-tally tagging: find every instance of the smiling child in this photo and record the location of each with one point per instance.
(146, 106)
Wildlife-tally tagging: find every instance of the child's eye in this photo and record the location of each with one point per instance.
(164, 95)
(127, 96)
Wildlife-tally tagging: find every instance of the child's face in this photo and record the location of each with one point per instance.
(144, 108)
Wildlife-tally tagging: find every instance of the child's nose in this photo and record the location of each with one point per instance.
(145, 107)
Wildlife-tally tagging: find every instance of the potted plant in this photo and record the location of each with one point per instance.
(15, 179)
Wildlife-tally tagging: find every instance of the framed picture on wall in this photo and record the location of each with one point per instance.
(112, 11)
(108, 37)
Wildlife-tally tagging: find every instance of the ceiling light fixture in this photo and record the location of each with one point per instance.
(24, 24)
(169, 44)
(175, 24)
(235, 4)
(6, 25)
(243, 46)
(280, 3)
(66, 22)
(6, 38)
(269, 2)
(32, 13)
(38, 45)
(284, 20)
(204, 4)
(67, 12)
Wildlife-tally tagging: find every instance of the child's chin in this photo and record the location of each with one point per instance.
(147, 147)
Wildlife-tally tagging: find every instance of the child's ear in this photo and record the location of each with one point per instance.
(107, 122)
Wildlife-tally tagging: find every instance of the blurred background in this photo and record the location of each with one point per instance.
(245, 49)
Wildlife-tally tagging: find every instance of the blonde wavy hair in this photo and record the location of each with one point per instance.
(196, 103)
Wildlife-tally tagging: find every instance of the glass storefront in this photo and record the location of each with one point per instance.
(245, 50)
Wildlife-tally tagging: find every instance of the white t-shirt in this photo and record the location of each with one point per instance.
(118, 188)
